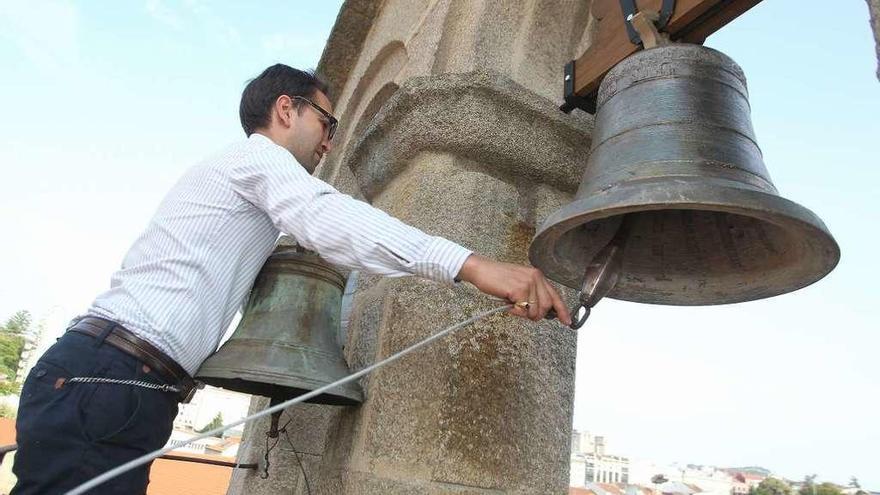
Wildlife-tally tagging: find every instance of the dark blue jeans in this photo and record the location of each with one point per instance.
(68, 433)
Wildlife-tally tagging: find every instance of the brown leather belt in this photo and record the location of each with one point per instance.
(140, 349)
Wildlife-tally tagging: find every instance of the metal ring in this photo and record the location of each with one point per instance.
(583, 319)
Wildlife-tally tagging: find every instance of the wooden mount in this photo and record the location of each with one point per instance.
(691, 22)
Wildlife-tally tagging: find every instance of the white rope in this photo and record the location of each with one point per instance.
(144, 459)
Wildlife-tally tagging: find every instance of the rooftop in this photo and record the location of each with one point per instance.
(167, 477)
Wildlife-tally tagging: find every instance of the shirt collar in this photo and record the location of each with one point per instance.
(259, 137)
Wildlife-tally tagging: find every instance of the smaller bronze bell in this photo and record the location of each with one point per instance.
(285, 344)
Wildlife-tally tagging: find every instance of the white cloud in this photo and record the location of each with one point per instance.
(165, 15)
(194, 15)
(45, 31)
(286, 45)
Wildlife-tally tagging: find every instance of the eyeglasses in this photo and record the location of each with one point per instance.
(330, 120)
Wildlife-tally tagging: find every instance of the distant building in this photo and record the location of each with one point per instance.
(226, 446)
(607, 489)
(207, 403)
(590, 463)
(709, 479)
(743, 481)
(28, 357)
(583, 442)
(168, 477)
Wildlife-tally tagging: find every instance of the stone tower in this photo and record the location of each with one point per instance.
(448, 121)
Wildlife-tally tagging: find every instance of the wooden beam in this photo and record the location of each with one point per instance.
(692, 21)
(713, 20)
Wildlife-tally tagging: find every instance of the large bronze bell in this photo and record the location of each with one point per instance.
(674, 153)
(286, 342)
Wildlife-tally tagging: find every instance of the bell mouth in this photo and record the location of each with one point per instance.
(283, 393)
(689, 244)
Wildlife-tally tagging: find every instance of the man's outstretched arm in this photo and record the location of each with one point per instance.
(356, 235)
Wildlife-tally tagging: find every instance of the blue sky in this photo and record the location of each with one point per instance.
(105, 104)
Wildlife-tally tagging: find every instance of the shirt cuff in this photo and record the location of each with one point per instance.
(442, 260)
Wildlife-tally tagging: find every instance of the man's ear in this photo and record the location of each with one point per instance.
(285, 110)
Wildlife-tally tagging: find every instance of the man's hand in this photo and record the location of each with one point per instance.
(515, 283)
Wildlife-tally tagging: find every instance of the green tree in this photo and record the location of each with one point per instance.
(771, 486)
(217, 422)
(11, 346)
(808, 486)
(10, 388)
(854, 482)
(811, 488)
(19, 323)
(12, 340)
(828, 489)
(7, 411)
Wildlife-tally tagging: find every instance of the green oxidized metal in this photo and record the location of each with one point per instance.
(285, 344)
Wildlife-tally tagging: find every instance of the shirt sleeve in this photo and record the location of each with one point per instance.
(339, 228)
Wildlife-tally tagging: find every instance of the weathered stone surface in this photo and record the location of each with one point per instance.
(484, 116)
(529, 42)
(345, 42)
(307, 430)
(486, 408)
(874, 9)
(449, 121)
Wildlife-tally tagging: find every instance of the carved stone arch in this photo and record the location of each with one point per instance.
(376, 84)
(373, 107)
(384, 68)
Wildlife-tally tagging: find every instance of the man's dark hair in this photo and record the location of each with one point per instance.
(262, 91)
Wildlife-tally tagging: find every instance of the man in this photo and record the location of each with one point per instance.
(108, 390)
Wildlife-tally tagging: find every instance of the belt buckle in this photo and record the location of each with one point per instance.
(197, 385)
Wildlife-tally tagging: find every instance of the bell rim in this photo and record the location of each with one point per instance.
(765, 206)
(228, 377)
(221, 370)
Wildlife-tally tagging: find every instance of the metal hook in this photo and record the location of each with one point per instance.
(575, 323)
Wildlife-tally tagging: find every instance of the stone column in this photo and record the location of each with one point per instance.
(306, 434)
(449, 122)
(874, 12)
(478, 159)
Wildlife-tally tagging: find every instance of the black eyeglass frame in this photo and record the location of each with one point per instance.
(332, 122)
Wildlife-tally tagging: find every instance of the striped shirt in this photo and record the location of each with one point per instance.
(186, 276)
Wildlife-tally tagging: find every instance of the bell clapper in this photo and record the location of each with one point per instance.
(274, 433)
(600, 276)
(276, 416)
(603, 271)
